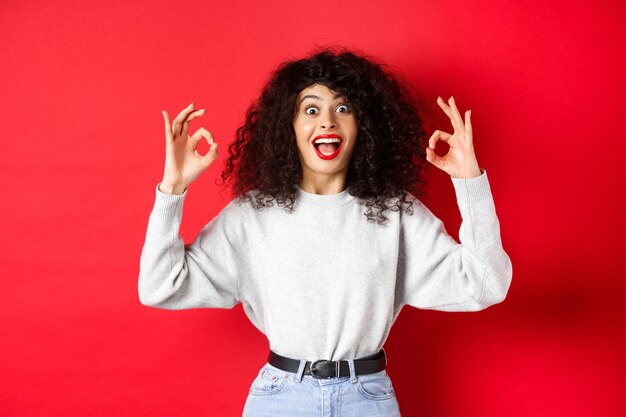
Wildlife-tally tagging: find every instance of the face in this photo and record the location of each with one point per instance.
(326, 130)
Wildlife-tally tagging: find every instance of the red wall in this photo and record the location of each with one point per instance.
(81, 150)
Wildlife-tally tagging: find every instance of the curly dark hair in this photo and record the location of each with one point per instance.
(389, 150)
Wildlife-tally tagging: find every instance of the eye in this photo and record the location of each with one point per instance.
(310, 110)
(344, 108)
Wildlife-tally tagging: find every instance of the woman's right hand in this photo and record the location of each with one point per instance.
(183, 162)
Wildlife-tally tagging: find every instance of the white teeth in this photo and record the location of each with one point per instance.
(327, 140)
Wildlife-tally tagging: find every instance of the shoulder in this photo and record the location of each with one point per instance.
(230, 215)
(236, 211)
(247, 206)
(406, 205)
(397, 209)
(228, 225)
(412, 212)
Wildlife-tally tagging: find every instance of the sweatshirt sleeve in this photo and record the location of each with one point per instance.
(440, 274)
(174, 276)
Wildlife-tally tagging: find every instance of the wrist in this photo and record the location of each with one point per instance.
(173, 189)
(471, 173)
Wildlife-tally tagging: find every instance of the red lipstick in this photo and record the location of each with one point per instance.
(325, 139)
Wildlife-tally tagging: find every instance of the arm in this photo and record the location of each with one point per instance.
(175, 276)
(440, 274)
(171, 275)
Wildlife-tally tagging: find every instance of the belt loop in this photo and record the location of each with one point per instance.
(352, 372)
(300, 370)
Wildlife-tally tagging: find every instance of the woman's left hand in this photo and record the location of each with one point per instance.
(460, 161)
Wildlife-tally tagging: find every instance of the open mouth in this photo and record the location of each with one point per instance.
(327, 146)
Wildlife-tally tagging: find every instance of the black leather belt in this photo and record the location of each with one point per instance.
(324, 369)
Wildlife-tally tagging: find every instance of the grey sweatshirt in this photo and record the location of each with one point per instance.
(322, 282)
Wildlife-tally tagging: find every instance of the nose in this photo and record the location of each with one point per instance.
(328, 120)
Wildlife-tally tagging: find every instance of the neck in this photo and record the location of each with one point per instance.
(323, 184)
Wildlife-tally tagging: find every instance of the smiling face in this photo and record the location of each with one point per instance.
(326, 130)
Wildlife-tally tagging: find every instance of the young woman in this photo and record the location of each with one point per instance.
(326, 241)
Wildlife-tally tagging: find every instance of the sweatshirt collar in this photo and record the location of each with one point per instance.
(338, 199)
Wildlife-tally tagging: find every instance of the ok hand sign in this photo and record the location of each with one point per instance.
(183, 162)
(460, 161)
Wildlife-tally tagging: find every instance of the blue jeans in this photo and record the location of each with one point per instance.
(275, 392)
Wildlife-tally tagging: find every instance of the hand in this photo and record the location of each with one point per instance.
(460, 161)
(183, 162)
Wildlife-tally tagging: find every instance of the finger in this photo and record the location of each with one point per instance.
(455, 113)
(444, 107)
(198, 135)
(168, 127)
(189, 118)
(438, 134)
(210, 156)
(176, 125)
(440, 162)
(468, 124)
(433, 158)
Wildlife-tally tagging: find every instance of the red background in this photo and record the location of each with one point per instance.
(81, 89)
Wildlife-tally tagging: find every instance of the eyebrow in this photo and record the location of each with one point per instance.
(318, 97)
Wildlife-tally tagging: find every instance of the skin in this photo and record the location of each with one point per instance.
(322, 111)
(183, 162)
(460, 161)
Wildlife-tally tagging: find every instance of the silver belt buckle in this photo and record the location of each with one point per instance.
(315, 367)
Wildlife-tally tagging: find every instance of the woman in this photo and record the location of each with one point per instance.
(326, 241)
